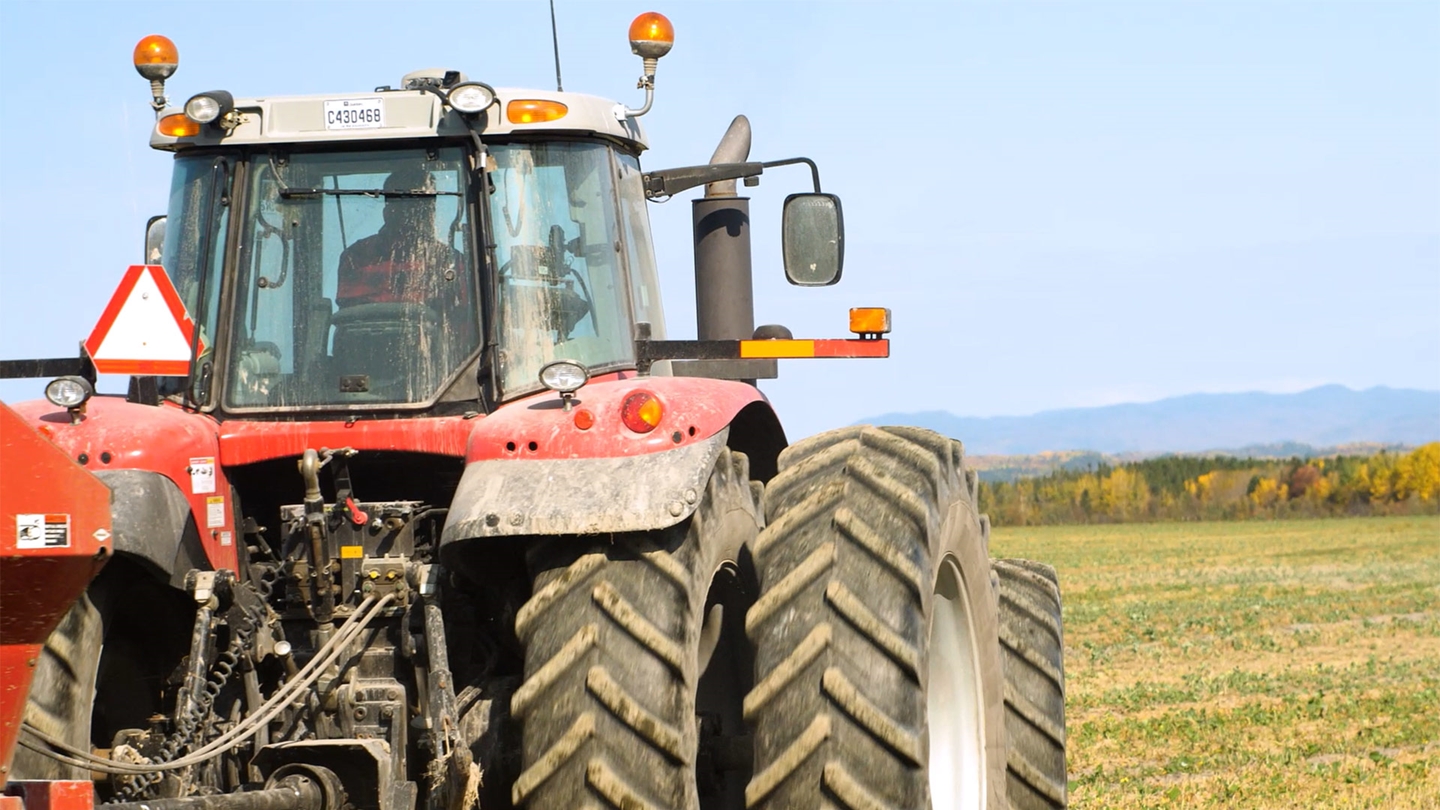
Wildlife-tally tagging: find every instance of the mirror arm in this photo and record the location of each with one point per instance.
(669, 182)
(814, 170)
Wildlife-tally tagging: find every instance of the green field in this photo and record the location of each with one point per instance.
(1249, 664)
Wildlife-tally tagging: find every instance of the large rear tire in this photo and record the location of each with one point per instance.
(62, 691)
(103, 667)
(613, 655)
(878, 674)
(1034, 654)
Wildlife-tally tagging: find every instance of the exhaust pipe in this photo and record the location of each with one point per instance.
(724, 284)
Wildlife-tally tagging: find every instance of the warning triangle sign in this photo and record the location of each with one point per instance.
(145, 329)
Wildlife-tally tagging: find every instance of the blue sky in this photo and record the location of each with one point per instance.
(1064, 204)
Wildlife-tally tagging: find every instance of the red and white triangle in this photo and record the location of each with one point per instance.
(145, 329)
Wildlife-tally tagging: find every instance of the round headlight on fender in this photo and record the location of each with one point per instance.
(471, 97)
(564, 376)
(69, 392)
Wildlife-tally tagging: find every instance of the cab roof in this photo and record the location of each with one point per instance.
(402, 114)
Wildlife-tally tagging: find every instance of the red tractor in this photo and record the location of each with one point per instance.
(415, 504)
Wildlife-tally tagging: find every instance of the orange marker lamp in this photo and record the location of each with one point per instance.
(651, 35)
(870, 320)
(641, 412)
(156, 58)
(179, 125)
(534, 111)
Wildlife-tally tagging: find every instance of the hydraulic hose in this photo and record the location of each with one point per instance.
(251, 725)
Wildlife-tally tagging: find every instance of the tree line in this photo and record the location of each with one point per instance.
(1222, 488)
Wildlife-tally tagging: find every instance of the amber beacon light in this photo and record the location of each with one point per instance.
(651, 35)
(156, 59)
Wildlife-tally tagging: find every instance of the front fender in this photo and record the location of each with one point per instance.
(501, 497)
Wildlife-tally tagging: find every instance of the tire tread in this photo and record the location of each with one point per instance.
(1032, 649)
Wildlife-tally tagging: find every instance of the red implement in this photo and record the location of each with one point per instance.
(54, 537)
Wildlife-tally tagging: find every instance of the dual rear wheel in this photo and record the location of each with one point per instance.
(880, 674)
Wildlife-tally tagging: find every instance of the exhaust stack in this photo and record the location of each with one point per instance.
(724, 285)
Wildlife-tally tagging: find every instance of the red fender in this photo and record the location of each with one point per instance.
(539, 427)
(181, 445)
(535, 467)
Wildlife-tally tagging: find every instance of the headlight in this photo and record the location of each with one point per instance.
(564, 376)
(207, 107)
(471, 97)
(69, 392)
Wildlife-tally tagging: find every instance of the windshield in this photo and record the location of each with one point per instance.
(563, 293)
(356, 284)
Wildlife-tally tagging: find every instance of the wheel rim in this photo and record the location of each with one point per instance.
(957, 740)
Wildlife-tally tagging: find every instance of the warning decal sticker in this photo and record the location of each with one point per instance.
(202, 476)
(42, 531)
(214, 511)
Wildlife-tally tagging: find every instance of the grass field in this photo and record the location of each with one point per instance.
(1252, 664)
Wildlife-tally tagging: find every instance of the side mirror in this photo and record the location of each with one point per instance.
(155, 240)
(813, 234)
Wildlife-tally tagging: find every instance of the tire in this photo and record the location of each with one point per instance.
(103, 667)
(1032, 646)
(878, 673)
(62, 689)
(613, 636)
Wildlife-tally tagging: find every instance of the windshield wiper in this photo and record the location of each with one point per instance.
(287, 193)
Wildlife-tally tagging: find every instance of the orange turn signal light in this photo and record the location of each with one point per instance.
(641, 412)
(156, 57)
(179, 125)
(651, 35)
(534, 111)
(870, 320)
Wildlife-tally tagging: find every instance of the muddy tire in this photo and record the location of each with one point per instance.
(61, 691)
(878, 674)
(102, 667)
(1032, 645)
(612, 637)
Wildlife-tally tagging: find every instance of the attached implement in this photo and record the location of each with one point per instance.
(414, 503)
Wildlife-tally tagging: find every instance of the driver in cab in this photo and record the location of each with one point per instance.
(404, 316)
(403, 262)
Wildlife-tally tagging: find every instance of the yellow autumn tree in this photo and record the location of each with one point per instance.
(1382, 475)
(1269, 492)
(1418, 473)
(1124, 494)
(1202, 487)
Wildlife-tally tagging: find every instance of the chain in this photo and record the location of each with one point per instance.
(188, 724)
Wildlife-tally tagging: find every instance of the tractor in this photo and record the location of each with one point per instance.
(415, 504)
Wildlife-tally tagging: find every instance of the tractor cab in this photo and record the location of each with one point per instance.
(427, 248)
(338, 276)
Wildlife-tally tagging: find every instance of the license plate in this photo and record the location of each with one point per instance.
(355, 113)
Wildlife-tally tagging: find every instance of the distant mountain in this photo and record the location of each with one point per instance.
(1321, 417)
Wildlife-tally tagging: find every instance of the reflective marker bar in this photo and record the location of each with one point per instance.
(647, 352)
(757, 349)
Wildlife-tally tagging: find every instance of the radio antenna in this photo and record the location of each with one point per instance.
(555, 38)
